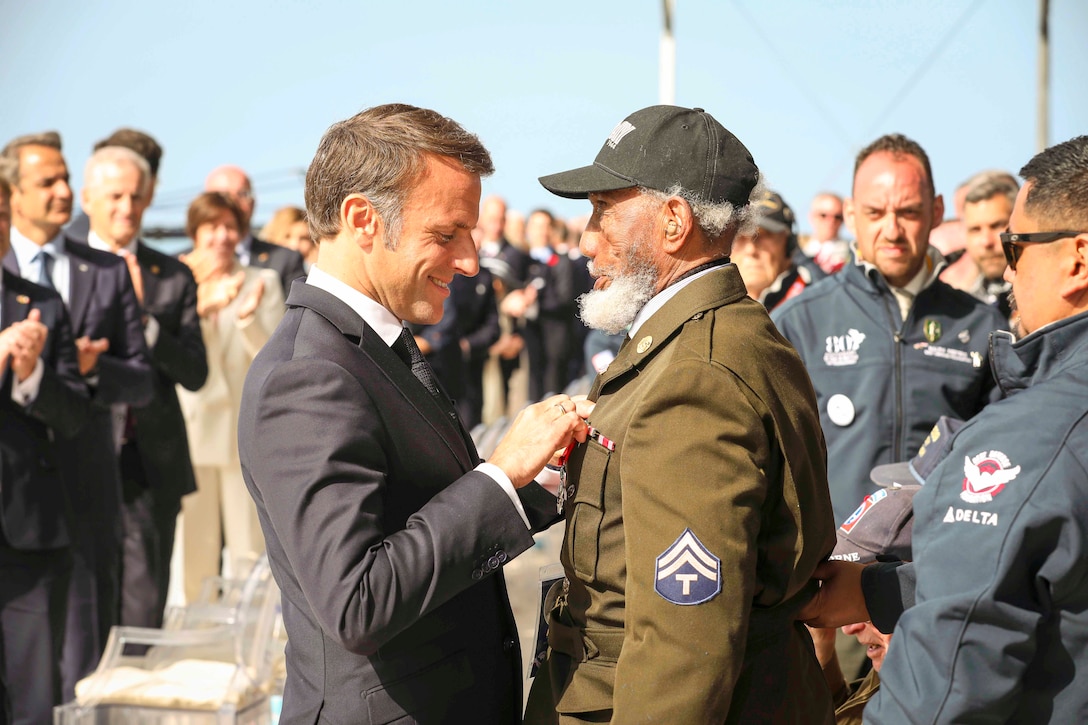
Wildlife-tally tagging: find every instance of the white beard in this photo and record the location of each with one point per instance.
(614, 308)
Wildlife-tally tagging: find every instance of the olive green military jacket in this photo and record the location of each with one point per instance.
(695, 518)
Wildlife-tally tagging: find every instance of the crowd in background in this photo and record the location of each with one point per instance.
(122, 419)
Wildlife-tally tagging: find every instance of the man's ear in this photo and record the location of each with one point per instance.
(360, 220)
(1075, 283)
(938, 211)
(678, 223)
(848, 216)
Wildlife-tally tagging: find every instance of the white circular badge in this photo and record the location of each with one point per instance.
(840, 410)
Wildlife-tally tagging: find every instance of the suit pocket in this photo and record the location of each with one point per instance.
(587, 511)
(429, 690)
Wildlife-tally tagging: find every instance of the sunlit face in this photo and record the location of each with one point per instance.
(234, 183)
(1035, 301)
(984, 221)
(760, 259)
(493, 218)
(219, 237)
(115, 202)
(876, 642)
(412, 280)
(826, 217)
(538, 230)
(298, 239)
(42, 199)
(892, 213)
(619, 242)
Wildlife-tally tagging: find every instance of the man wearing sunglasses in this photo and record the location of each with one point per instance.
(1000, 613)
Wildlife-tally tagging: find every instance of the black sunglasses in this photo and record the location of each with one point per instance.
(1011, 242)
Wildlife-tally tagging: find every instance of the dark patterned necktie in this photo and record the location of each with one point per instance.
(408, 351)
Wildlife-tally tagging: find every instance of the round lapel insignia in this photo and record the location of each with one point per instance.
(155, 269)
(932, 330)
(644, 344)
(23, 300)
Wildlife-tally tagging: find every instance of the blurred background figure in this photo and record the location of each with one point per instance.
(824, 245)
(239, 307)
(950, 239)
(767, 259)
(288, 228)
(251, 251)
(987, 208)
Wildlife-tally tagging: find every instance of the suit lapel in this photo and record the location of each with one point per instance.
(340, 315)
(149, 274)
(81, 287)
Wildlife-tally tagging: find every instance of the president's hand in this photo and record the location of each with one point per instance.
(840, 600)
(537, 433)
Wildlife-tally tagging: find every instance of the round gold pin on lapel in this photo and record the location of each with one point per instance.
(644, 344)
(23, 300)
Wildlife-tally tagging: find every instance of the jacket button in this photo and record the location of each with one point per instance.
(477, 575)
(501, 556)
(508, 644)
(493, 562)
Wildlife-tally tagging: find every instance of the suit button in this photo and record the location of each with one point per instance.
(501, 556)
(508, 644)
(493, 563)
(477, 575)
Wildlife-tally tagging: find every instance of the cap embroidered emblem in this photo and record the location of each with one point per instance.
(622, 129)
(985, 476)
(867, 503)
(687, 572)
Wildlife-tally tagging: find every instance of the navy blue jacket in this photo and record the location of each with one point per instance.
(999, 631)
(881, 381)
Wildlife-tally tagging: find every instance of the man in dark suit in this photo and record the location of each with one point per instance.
(385, 532)
(254, 252)
(156, 471)
(113, 360)
(42, 397)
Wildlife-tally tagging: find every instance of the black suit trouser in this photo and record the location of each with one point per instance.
(33, 599)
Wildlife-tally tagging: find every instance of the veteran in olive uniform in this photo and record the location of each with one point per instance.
(699, 506)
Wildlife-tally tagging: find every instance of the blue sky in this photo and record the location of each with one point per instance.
(803, 84)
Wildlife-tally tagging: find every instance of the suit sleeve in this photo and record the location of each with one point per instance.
(62, 401)
(124, 371)
(262, 323)
(316, 455)
(680, 663)
(485, 335)
(180, 353)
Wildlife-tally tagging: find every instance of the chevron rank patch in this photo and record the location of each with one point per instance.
(687, 572)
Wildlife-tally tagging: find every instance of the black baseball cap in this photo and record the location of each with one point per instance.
(775, 215)
(663, 146)
(882, 525)
(932, 452)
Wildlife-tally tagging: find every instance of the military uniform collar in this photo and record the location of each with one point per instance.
(658, 301)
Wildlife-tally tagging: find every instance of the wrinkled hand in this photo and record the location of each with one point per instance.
(839, 600)
(249, 304)
(823, 640)
(215, 293)
(21, 345)
(136, 274)
(89, 350)
(538, 432)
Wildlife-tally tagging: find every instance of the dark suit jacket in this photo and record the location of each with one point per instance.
(102, 304)
(32, 511)
(177, 358)
(287, 263)
(386, 545)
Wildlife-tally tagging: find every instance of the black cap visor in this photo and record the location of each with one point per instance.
(580, 183)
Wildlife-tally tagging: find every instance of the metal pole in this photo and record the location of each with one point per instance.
(667, 79)
(1043, 108)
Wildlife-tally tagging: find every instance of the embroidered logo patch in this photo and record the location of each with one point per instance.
(985, 475)
(866, 503)
(843, 349)
(622, 129)
(687, 572)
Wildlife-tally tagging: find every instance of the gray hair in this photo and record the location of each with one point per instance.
(10, 153)
(988, 184)
(715, 219)
(116, 156)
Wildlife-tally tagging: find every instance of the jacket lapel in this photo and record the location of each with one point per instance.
(81, 287)
(339, 314)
